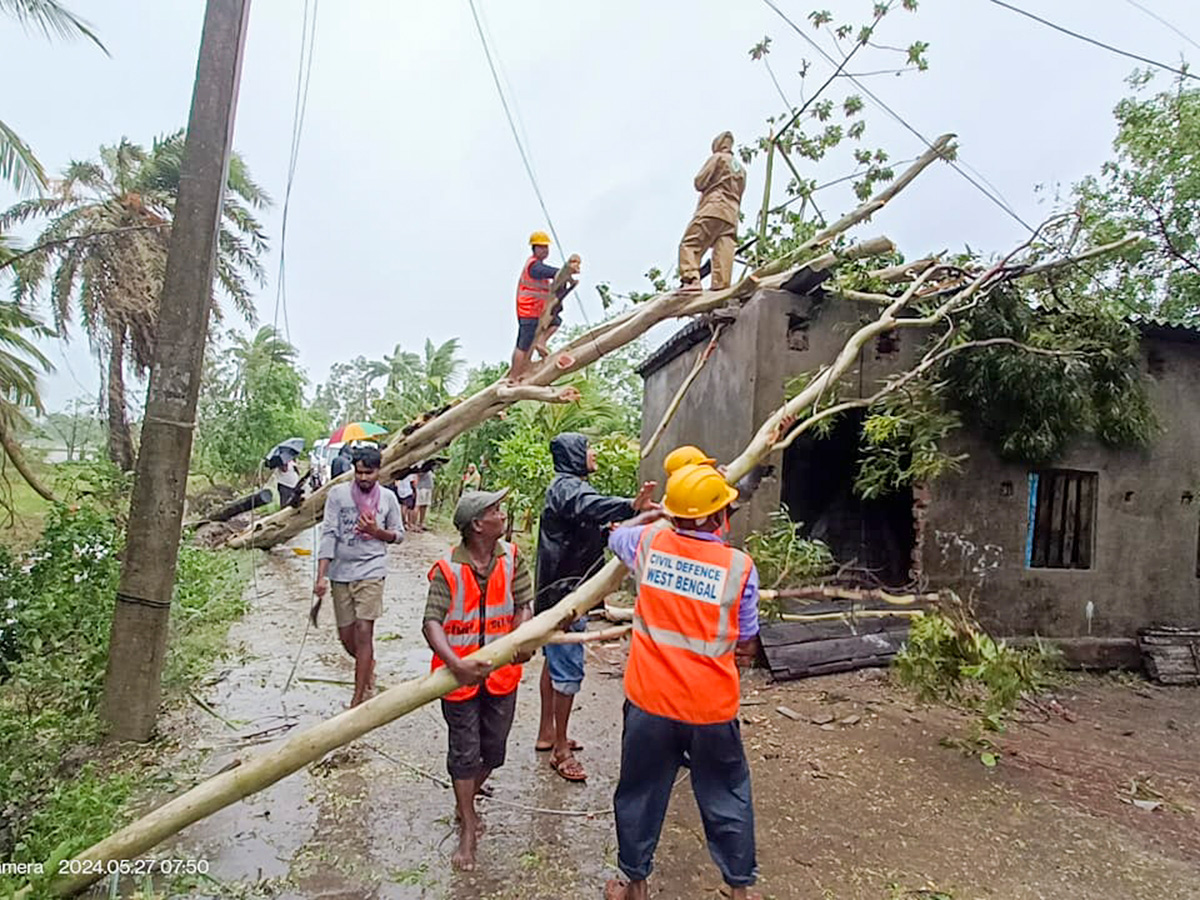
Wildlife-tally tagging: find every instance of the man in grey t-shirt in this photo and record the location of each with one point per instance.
(360, 521)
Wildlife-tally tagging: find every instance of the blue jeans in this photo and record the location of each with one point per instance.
(652, 750)
(565, 662)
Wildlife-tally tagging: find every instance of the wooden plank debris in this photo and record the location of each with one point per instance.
(801, 649)
(1172, 655)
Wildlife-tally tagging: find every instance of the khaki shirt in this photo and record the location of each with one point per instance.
(437, 601)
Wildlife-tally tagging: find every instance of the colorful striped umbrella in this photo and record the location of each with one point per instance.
(356, 431)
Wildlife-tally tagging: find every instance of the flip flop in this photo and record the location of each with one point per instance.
(543, 748)
(569, 769)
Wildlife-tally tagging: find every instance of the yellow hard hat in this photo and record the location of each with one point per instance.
(539, 238)
(696, 491)
(686, 455)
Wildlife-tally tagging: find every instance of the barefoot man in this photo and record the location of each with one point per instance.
(478, 592)
(360, 521)
(695, 623)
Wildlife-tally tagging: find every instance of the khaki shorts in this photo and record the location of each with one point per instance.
(357, 600)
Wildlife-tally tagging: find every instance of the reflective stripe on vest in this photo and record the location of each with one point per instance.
(489, 618)
(532, 293)
(685, 627)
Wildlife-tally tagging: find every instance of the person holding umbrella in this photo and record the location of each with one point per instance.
(283, 457)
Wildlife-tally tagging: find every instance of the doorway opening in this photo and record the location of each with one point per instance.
(876, 535)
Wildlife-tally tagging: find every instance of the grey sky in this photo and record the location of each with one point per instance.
(411, 208)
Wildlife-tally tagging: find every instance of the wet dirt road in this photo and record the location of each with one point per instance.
(856, 799)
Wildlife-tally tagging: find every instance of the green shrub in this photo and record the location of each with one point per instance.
(58, 602)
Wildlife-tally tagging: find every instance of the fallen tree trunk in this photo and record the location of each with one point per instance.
(431, 436)
(257, 772)
(591, 637)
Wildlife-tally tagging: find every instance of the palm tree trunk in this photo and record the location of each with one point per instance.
(120, 440)
(13, 450)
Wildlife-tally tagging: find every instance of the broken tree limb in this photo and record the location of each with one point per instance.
(858, 595)
(673, 407)
(517, 392)
(590, 637)
(412, 445)
(258, 772)
(406, 449)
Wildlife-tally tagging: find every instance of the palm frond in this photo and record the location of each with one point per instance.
(18, 166)
(51, 18)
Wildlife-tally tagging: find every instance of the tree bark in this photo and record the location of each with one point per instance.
(13, 450)
(138, 642)
(120, 440)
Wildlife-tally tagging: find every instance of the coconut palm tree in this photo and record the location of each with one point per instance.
(18, 166)
(20, 362)
(103, 252)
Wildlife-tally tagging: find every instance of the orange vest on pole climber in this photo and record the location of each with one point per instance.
(685, 627)
(469, 625)
(532, 293)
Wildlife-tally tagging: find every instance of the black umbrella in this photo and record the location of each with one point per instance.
(284, 452)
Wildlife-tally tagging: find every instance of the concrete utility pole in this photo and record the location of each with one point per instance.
(133, 687)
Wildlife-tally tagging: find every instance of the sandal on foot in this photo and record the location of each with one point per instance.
(569, 768)
(542, 748)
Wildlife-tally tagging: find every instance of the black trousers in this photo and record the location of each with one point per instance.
(652, 750)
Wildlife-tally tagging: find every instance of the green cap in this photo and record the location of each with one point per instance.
(473, 504)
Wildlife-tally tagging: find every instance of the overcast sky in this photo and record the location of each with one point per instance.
(411, 208)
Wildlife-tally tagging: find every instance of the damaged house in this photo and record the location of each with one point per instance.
(1086, 551)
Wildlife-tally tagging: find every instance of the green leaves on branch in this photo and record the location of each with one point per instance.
(1030, 407)
(1153, 186)
(901, 444)
(783, 558)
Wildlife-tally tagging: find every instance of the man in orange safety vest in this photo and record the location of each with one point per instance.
(533, 293)
(695, 623)
(478, 592)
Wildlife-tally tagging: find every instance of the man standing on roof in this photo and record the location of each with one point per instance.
(714, 225)
(479, 592)
(695, 623)
(533, 293)
(571, 539)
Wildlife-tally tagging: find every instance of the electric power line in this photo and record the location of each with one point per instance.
(1152, 14)
(1082, 37)
(955, 164)
(512, 125)
(308, 35)
(998, 201)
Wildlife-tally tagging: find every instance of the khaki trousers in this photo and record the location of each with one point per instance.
(702, 234)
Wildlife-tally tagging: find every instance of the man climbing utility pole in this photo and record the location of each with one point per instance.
(138, 643)
(714, 224)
